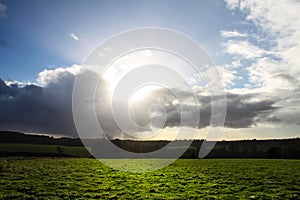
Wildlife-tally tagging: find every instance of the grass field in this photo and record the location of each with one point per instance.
(184, 179)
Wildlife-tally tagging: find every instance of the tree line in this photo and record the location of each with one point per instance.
(275, 148)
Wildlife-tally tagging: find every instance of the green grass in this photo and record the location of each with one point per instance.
(184, 179)
(42, 148)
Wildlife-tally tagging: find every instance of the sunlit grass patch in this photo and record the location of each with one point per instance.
(183, 179)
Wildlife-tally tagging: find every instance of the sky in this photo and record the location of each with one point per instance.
(255, 45)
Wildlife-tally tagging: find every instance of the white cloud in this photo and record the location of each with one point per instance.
(73, 36)
(280, 24)
(227, 76)
(231, 34)
(18, 83)
(232, 4)
(236, 64)
(244, 49)
(47, 77)
(233, 65)
(228, 73)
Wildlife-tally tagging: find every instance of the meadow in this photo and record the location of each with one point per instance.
(87, 178)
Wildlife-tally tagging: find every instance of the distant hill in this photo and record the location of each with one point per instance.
(279, 148)
(17, 137)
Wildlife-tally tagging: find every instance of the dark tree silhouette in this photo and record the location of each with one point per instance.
(274, 152)
(59, 150)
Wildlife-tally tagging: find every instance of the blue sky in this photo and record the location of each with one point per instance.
(254, 44)
(38, 32)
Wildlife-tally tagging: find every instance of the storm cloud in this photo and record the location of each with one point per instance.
(38, 109)
(242, 110)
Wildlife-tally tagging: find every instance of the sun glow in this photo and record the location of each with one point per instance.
(142, 92)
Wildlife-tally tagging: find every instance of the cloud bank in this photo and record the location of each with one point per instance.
(47, 107)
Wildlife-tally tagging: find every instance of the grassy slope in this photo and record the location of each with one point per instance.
(184, 179)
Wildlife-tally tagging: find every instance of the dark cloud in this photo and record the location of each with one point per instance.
(286, 77)
(241, 111)
(48, 109)
(37, 109)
